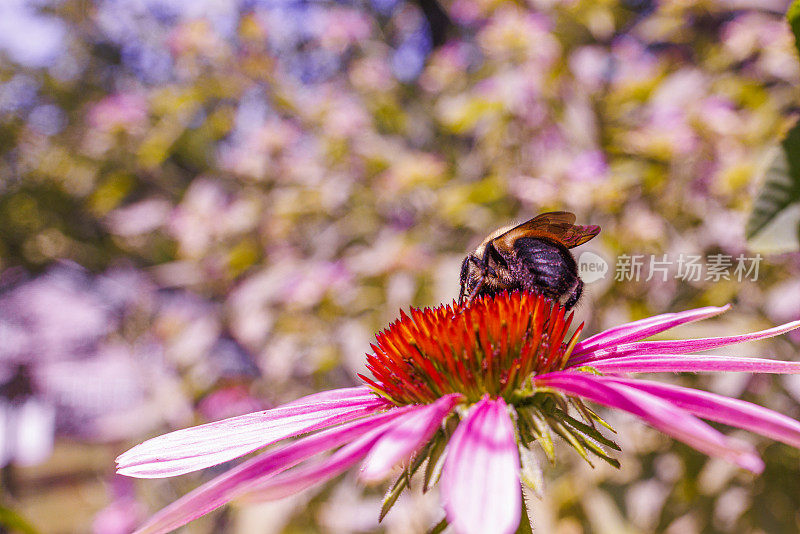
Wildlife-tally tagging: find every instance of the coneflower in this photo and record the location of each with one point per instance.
(467, 391)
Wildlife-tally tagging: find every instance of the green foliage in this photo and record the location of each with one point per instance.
(780, 192)
(793, 16)
(548, 412)
(781, 188)
(439, 527)
(12, 522)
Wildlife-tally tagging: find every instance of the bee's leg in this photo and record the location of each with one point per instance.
(487, 269)
(477, 288)
(463, 279)
(482, 267)
(575, 295)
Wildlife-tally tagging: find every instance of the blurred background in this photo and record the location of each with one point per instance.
(209, 207)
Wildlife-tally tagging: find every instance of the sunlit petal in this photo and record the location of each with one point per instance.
(480, 480)
(660, 414)
(202, 446)
(733, 412)
(681, 363)
(225, 487)
(644, 328)
(683, 346)
(405, 437)
(320, 471)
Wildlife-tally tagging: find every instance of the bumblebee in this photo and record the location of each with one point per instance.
(532, 256)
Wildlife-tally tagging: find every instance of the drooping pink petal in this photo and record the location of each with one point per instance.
(321, 471)
(202, 446)
(405, 437)
(681, 363)
(662, 415)
(316, 473)
(480, 483)
(230, 484)
(679, 346)
(733, 412)
(644, 328)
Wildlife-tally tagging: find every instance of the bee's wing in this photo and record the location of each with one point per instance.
(558, 225)
(578, 235)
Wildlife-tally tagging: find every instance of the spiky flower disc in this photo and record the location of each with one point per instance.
(492, 345)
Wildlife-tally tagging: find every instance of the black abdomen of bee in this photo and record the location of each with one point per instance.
(547, 266)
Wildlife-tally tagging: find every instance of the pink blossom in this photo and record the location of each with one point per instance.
(121, 111)
(473, 385)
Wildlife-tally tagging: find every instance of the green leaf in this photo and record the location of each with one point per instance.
(403, 481)
(589, 414)
(11, 521)
(779, 196)
(774, 223)
(435, 461)
(598, 451)
(586, 429)
(393, 494)
(793, 16)
(542, 431)
(439, 527)
(524, 428)
(420, 457)
(583, 444)
(571, 438)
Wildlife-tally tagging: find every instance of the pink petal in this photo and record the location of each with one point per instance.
(318, 472)
(679, 363)
(662, 415)
(202, 446)
(480, 480)
(644, 328)
(733, 412)
(233, 483)
(680, 346)
(343, 394)
(406, 437)
(315, 473)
